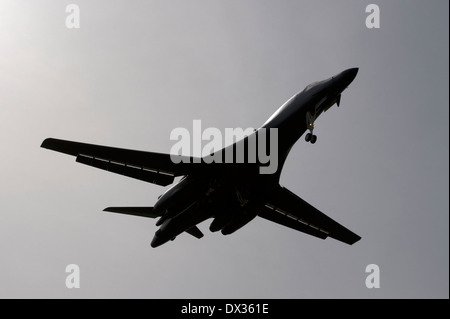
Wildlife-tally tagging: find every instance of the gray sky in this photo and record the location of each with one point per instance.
(135, 71)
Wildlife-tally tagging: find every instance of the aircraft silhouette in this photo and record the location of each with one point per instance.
(232, 192)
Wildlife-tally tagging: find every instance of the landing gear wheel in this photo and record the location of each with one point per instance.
(313, 139)
(308, 137)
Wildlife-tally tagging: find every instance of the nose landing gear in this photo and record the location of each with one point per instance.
(310, 137)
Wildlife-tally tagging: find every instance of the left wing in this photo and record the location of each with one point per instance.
(156, 168)
(286, 208)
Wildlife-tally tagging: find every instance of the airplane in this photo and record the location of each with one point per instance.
(232, 194)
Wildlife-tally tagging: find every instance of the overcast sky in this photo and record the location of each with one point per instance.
(135, 70)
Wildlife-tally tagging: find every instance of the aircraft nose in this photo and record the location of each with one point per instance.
(349, 74)
(346, 77)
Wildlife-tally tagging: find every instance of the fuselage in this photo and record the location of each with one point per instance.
(232, 193)
(290, 118)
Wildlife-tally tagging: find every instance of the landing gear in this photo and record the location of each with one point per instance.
(242, 201)
(310, 137)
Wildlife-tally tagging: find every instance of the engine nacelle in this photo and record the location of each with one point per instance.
(233, 216)
(220, 222)
(178, 197)
(237, 224)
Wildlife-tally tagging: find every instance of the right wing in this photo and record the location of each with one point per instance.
(287, 209)
(156, 168)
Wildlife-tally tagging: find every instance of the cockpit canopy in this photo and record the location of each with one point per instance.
(309, 86)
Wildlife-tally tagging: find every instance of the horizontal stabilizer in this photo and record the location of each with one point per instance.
(136, 211)
(194, 231)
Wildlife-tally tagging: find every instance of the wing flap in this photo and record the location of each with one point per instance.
(286, 208)
(157, 168)
(277, 217)
(137, 172)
